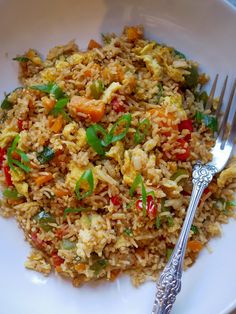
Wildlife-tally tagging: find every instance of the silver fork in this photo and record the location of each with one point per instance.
(169, 283)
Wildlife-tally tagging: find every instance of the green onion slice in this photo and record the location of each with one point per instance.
(141, 131)
(59, 108)
(93, 140)
(24, 157)
(69, 210)
(11, 194)
(139, 181)
(96, 89)
(51, 88)
(111, 137)
(21, 59)
(87, 176)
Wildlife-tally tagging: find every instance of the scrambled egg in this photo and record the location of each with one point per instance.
(7, 135)
(227, 175)
(134, 161)
(93, 235)
(108, 93)
(176, 100)
(18, 178)
(116, 152)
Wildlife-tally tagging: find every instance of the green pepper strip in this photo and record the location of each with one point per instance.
(87, 176)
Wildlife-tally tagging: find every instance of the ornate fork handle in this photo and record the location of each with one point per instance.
(169, 283)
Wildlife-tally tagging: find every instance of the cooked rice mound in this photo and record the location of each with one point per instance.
(112, 201)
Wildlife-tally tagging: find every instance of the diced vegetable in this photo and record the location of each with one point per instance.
(57, 124)
(3, 152)
(117, 105)
(169, 252)
(67, 244)
(139, 181)
(44, 220)
(158, 222)
(6, 104)
(209, 121)
(183, 145)
(95, 109)
(45, 155)
(51, 88)
(179, 175)
(194, 246)
(133, 33)
(98, 266)
(21, 59)
(8, 179)
(128, 232)
(179, 54)
(96, 89)
(57, 260)
(11, 194)
(116, 200)
(106, 38)
(191, 79)
(230, 204)
(43, 179)
(151, 208)
(194, 229)
(87, 177)
(170, 221)
(186, 125)
(93, 44)
(141, 131)
(39, 244)
(69, 210)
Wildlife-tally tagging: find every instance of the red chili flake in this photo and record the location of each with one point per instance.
(116, 200)
(117, 105)
(39, 244)
(150, 206)
(186, 125)
(184, 156)
(3, 152)
(57, 260)
(7, 174)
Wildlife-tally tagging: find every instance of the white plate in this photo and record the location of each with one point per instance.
(205, 31)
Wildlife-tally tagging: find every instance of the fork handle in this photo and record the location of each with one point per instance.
(169, 283)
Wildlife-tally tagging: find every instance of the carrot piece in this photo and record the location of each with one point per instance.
(114, 274)
(93, 44)
(195, 246)
(80, 267)
(133, 33)
(60, 192)
(57, 125)
(94, 108)
(43, 179)
(48, 103)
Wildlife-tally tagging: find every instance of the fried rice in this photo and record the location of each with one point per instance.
(96, 152)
